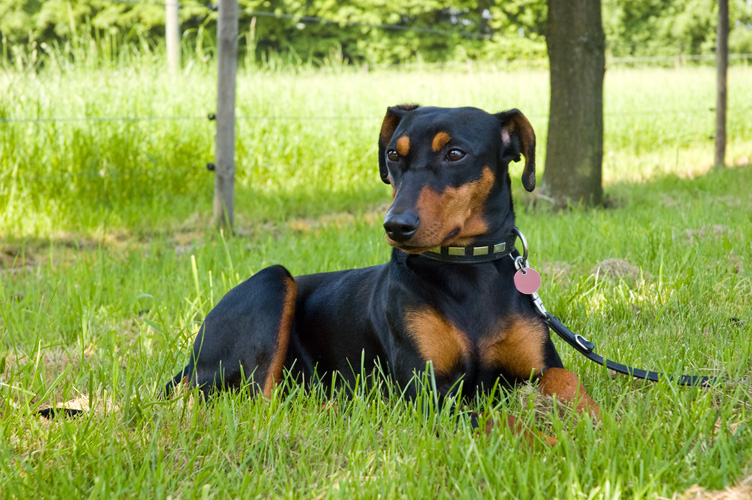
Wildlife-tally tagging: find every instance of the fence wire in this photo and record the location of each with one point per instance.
(101, 119)
(304, 118)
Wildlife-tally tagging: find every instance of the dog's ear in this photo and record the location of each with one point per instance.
(518, 137)
(392, 119)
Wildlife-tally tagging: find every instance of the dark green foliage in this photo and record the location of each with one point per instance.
(668, 27)
(476, 30)
(466, 29)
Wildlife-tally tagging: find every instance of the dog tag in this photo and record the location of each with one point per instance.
(527, 280)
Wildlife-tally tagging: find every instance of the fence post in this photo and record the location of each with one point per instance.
(172, 35)
(227, 62)
(721, 64)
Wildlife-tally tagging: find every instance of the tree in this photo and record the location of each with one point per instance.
(574, 149)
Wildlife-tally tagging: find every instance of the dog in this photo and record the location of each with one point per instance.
(446, 301)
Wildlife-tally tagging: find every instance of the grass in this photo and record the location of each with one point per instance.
(301, 137)
(108, 268)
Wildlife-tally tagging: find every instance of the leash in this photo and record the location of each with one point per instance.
(527, 281)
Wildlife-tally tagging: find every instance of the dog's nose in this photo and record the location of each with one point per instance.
(400, 227)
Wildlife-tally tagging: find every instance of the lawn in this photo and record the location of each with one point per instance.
(109, 264)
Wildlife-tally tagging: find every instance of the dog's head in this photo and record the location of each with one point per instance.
(449, 175)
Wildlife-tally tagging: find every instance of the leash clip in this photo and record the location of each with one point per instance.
(520, 262)
(538, 303)
(583, 342)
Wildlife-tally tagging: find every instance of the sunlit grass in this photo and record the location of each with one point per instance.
(114, 321)
(108, 264)
(301, 136)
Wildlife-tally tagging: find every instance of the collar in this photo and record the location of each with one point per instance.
(474, 254)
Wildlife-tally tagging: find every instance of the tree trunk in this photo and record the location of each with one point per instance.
(574, 149)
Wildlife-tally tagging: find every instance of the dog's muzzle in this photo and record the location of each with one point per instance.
(401, 226)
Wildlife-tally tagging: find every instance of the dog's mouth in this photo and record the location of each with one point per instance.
(418, 249)
(450, 237)
(411, 249)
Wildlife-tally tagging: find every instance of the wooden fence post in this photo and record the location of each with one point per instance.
(227, 56)
(172, 35)
(721, 64)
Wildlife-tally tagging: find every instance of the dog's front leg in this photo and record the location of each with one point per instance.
(566, 386)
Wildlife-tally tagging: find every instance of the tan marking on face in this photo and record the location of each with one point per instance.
(460, 209)
(403, 145)
(437, 339)
(283, 340)
(439, 141)
(517, 348)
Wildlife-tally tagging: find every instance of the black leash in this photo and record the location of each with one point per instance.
(585, 347)
(580, 343)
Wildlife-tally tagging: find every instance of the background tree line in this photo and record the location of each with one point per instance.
(509, 30)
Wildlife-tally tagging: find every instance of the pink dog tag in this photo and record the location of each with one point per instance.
(527, 280)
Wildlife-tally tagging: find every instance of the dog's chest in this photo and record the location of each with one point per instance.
(510, 344)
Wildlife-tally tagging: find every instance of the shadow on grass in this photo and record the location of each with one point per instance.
(258, 211)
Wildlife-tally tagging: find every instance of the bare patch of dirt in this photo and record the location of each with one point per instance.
(49, 361)
(736, 263)
(616, 269)
(715, 231)
(17, 256)
(668, 201)
(557, 271)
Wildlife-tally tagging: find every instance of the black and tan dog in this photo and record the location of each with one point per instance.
(446, 296)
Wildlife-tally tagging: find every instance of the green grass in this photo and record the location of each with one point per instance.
(105, 277)
(316, 138)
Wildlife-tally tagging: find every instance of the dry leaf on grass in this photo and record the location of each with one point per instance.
(77, 406)
(742, 491)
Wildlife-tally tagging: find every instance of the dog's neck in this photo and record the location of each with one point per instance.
(476, 253)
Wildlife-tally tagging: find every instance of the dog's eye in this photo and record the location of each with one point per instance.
(392, 155)
(455, 154)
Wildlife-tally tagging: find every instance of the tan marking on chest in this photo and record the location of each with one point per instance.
(437, 339)
(517, 348)
(403, 145)
(439, 141)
